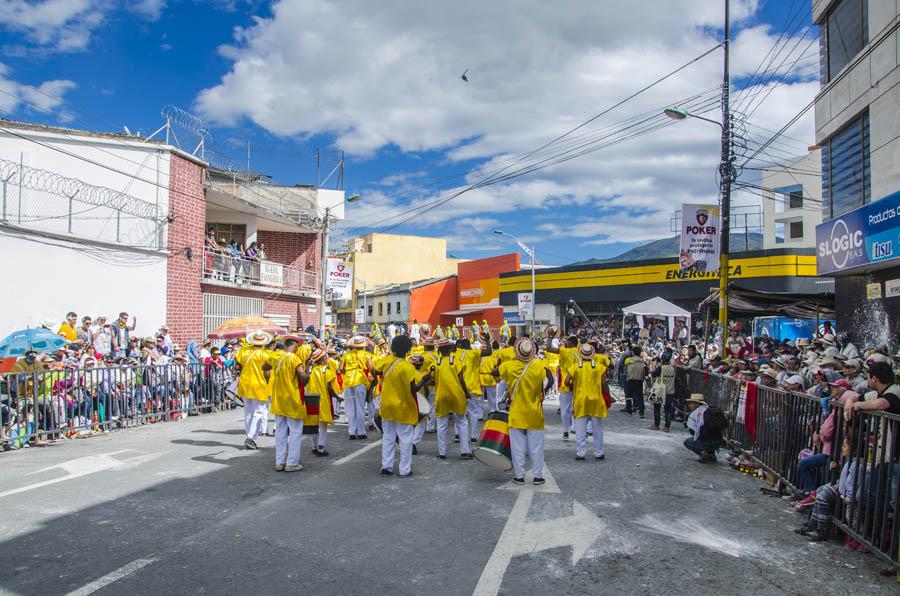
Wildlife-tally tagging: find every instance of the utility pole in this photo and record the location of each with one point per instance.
(726, 172)
(533, 295)
(323, 271)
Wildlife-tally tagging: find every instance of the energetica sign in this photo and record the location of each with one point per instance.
(864, 236)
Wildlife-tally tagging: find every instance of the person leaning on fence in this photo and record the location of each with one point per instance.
(705, 425)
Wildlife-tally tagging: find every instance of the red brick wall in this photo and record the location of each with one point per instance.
(295, 307)
(291, 249)
(187, 204)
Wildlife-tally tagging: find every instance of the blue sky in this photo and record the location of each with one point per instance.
(383, 85)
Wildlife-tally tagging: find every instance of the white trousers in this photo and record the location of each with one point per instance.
(474, 412)
(532, 442)
(430, 425)
(323, 434)
(502, 389)
(256, 417)
(288, 437)
(393, 430)
(355, 406)
(461, 424)
(371, 408)
(581, 428)
(490, 394)
(419, 431)
(565, 409)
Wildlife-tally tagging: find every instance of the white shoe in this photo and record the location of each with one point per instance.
(279, 467)
(297, 468)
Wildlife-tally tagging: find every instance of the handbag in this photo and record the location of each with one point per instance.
(658, 392)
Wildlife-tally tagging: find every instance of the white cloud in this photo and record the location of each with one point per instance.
(390, 78)
(47, 97)
(149, 9)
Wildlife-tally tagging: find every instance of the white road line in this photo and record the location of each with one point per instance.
(114, 576)
(356, 453)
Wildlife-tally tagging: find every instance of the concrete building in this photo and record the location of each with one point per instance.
(857, 115)
(792, 203)
(99, 223)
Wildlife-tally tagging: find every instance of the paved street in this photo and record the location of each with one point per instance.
(180, 508)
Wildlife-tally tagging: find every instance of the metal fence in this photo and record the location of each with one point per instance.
(75, 402)
(239, 271)
(783, 425)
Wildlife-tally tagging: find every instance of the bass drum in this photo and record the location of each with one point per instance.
(311, 422)
(493, 447)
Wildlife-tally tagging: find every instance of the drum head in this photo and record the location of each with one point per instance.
(491, 458)
(424, 406)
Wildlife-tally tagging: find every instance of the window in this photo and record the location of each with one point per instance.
(389, 307)
(795, 199)
(846, 175)
(844, 35)
(788, 197)
(380, 308)
(398, 307)
(779, 233)
(236, 232)
(796, 230)
(370, 310)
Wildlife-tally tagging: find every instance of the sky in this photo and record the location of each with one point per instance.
(430, 153)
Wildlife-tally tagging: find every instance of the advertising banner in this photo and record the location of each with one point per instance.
(339, 285)
(699, 250)
(864, 236)
(526, 305)
(360, 316)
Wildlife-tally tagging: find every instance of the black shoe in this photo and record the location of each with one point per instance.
(579, 458)
(707, 458)
(385, 472)
(322, 453)
(474, 441)
(565, 436)
(805, 529)
(538, 481)
(249, 444)
(442, 457)
(600, 457)
(362, 437)
(456, 440)
(415, 451)
(466, 456)
(353, 437)
(406, 475)
(641, 415)
(518, 480)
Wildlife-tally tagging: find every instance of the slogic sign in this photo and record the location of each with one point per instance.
(865, 236)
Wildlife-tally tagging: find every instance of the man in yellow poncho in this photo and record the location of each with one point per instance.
(253, 387)
(288, 373)
(355, 364)
(568, 358)
(588, 383)
(472, 353)
(322, 382)
(450, 397)
(526, 376)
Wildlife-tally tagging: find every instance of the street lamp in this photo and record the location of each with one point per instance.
(530, 252)
(323, 296)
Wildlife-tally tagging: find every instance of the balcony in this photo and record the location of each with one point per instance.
(267, 276)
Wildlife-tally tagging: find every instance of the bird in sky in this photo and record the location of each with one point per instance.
(463, 76)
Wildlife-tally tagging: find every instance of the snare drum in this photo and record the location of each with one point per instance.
(311, 422)
(493, 447)
(424, 406)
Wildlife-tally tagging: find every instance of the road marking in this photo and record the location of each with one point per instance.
(114, 576)
(520, 536)
(83, 466)
(356, 453)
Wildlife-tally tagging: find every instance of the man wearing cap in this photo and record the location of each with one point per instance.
(288, 373)
(355, 364)
(704, 440)
(253, 386)
(587, 382)
(451, 396)
(525, 375)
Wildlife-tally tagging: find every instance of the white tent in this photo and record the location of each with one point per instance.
(658, 307)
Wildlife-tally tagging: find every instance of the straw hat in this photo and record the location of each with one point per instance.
(586, 351)
(828, 339)
(551, 330)
(829, 361)
(525, 349)
(258, 338)
(319, 355)
(769, 373)
(416, 359)
(696, 398)
(803, 342)
(854, 363)
(445, 342)
(357, 341)
(428, 341)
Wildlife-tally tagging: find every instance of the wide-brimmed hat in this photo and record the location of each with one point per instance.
(769, 373)
(357, 341)
(319, 354)
(416, 359)
(794, 380)
(802, 342)
(827, 339)
(810, 359)
(525, 349)
(696, 398)
(295, 338)
(428, 341)
(446, 342)
(551, 330)
(854, 363)
(258, 338)
(829, 361)
(586, 351)
(878, 357)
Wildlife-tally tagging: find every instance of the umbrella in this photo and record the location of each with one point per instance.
(40, 340)
(240, 327)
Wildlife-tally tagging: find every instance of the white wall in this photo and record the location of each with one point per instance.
(42, 282)
(775, 210)
(234, 217)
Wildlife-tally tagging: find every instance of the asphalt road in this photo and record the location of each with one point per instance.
(180, 508)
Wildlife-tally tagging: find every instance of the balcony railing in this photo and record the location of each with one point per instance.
(226, 269)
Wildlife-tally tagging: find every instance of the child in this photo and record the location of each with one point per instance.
(322, 381)
(827, 495)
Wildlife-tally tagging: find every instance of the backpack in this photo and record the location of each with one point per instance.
(715, 420)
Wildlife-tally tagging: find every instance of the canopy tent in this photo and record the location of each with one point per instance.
(657, 307)
(798, 306)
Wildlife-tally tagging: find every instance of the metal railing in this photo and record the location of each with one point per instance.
(239, 271)
(74, 402)
(781, 428)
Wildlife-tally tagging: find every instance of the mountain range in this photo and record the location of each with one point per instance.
(668, 248)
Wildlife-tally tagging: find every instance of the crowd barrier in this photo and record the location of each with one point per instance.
(74, 402)
(777, 429)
